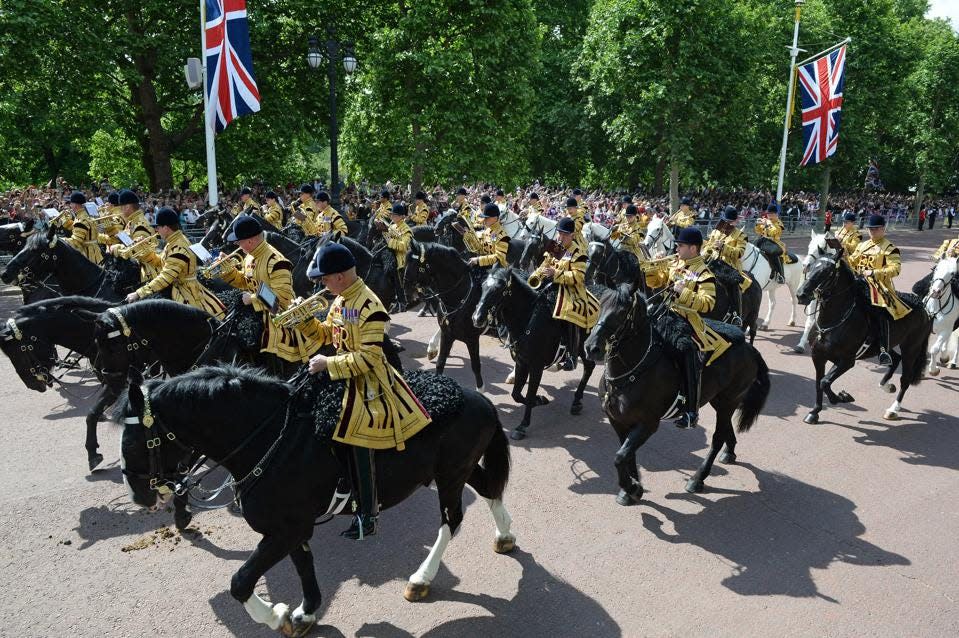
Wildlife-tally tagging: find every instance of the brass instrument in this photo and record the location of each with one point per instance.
(60, 220)
(653, 265)
(110, 222)
(535, 280)
(302, 311)
(140, 248)
(220, 265)
(470, 239)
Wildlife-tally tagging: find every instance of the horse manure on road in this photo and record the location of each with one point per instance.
(165, 537)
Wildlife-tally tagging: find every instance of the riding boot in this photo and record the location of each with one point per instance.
(400, 304)
(363, 472)
(883, 324)
(778, 273)
(571, 343)
(692, 369)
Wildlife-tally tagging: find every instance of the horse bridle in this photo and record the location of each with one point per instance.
(821, 296)
(946, 283)
(620, 335)
(423, 264)
(38, 369)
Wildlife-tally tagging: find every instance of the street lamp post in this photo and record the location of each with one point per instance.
(331, 51)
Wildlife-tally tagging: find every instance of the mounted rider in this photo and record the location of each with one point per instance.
(137, 228)
(271, 210)
(379, 411)
(878, 261)
(578, 215)
(178, 266)
(692, 291)
(398, 237)
(265, 274)
(574, 303)
(727, 242)
(83, 231)
(533, 206)
(948, 248)
(630, 232)
(383, 207)
(325, 220)
(849, 235)
(625, 202)
(500, 200)
(421, 212)
(247, 204)
(774, 250)
(682, 218)
(462, 207)
(307, 208)
(493, 238)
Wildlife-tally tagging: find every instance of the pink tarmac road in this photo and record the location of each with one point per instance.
(845, 528)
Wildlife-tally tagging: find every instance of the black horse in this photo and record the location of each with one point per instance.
(14, 236)
(526, 312)
(455, 286)
(642, 381)
(30, 337)
(46, 254)
(843, 324)
(446, 234)
(610, 266)
(273, 438)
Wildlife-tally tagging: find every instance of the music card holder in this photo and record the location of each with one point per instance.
(125, 238)
(202, 253)
(99, 201)
(51, 213)
(92, 210)
(265, 294)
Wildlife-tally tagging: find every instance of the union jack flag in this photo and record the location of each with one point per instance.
(820, 89)
(230, 85)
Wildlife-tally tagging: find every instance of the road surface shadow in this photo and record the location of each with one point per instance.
(103, 522)
(774, 537)
(932, 440)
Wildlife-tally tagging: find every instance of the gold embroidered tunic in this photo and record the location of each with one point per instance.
(850, 239)
(733, 247)
(379, 410)
(178, 272)
(420, 214)
(398, 238)
(325, 221)
(495, 242)
(883, 259)
(948, 248)
(83, 237)
(574, 303)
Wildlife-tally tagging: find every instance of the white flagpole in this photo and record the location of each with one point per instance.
(208, 125)
(794, 52)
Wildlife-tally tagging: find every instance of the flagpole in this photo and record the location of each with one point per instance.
(213, 195)
(794, 53)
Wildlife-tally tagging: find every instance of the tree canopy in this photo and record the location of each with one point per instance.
(612, 93)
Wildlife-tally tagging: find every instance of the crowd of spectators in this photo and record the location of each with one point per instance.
(798, 210)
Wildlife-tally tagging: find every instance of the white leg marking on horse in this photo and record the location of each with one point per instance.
(433, 347)
(263, 613)
(427, 571)
(502, 519)
(299, 616)
(511, 377)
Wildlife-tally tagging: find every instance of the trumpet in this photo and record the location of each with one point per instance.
(61, 219)
(223, 263)
(110, 222)
(535, 280)
(470, 239)
(653, 265)
(140, 248)
(302, 311)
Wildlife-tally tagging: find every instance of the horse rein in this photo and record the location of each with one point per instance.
(40, 371)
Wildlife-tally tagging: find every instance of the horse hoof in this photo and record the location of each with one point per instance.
(302, 623)
(182, 521)
(430, 356)
(934, 373)
(952, 366)
(94, 460)
(576, 408)
(727, 458)
(517, 434)
(504, 545)
(891, 415)
(695, 486)
(889, 387)
(510, 378)
(799, 349)
(791, 324)
(626, 499)
(541, 400)
(415, 592)
(844, 397)
(282, 610)
(479, 386)
(811, 418)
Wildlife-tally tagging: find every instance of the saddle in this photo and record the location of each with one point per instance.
(725, 274)
(318, 403)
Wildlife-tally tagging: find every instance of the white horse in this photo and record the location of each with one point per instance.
(817, 248)
(512, 224)
(540, 224)
(943, 307)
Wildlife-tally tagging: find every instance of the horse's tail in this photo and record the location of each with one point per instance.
(496, 462)
(756, 395)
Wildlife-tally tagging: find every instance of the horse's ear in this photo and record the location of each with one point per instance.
(135, 392)
(84, 315)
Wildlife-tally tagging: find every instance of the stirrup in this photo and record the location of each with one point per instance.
(569, 362)
(687, 420)
(363, 525)
(736, 320)
(885, 358)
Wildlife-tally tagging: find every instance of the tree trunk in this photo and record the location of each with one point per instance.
(659, 176)
(824, 195)
(673, 183)
(920, 193)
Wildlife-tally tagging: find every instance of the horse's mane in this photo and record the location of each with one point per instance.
(355, 246)
(443, 249)
(93, 304)
(37, 241)
(162, 310)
